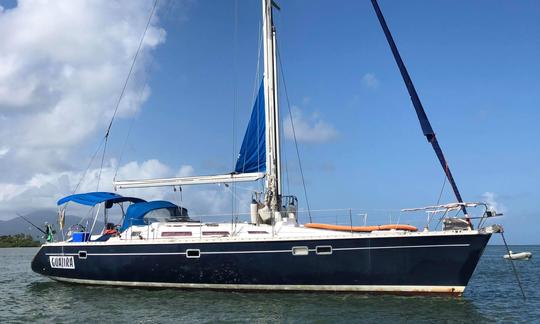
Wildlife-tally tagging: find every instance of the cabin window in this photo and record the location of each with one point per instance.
(258, 232)
(215, 233)
(169, 234)
(169, 214)
(193, 253)
(323, 249)
(82, 255)
(300, 250)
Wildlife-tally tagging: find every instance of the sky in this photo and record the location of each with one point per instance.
(475, 66)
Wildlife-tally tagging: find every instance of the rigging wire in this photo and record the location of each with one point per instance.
(235, 106)
(293, 131)
(513, 266)
(256, 84)
(288, 191)
(281, 25)
(104, 140)
(132, 122)
(131, 68)
(101, 165)
(88, 166)
(126, 82)
(442, 189)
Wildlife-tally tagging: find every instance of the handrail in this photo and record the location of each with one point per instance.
(337, 217)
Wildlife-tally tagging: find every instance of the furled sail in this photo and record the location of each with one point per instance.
(420, 112)
(252, 157)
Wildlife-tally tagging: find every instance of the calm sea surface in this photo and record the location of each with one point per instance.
(492, 295)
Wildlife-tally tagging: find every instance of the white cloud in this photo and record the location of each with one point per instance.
(369, 80)
(185, 171)
(309, 129)
(3, 151)
(491, 199)
(43, 190)
(62, 66)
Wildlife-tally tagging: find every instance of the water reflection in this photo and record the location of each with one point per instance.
(193, 305)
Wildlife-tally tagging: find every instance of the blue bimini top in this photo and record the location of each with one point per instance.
(94, 198)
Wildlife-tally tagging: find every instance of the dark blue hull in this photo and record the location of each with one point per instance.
(414, 264)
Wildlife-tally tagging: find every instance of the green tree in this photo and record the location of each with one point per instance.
(18, 240)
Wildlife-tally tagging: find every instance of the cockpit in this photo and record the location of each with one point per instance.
(138, 213)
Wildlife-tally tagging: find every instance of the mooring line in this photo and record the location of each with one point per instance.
(513, 266)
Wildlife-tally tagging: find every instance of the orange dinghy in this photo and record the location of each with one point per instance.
(362, 228)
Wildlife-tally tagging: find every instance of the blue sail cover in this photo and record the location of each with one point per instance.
(252, 157)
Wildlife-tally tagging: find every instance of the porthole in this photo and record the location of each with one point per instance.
(323, 249)
(193, 253)
(82, 254)
(300, 250)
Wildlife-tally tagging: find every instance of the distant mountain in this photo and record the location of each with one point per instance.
(18, 225)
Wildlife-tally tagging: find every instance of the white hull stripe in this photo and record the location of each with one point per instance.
(359, 288)
(268, 251)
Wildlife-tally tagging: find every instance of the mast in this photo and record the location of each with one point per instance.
(420, 112)
(272, 138)
(273, 145)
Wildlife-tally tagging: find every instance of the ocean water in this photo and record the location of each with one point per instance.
(492, 296)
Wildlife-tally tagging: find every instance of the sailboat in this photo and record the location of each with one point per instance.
(157, 244)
